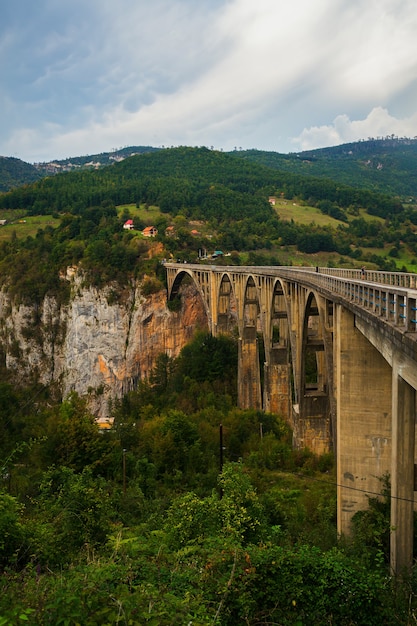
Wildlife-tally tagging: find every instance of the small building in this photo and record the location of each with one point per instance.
(3, 222)
(150, 231)
(128, 225)
(272, 200)
(216, 254)
(169, 231)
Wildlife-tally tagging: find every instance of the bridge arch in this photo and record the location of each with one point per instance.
(251, 307)
(278, 367)
(313, 372)
(201, 286)
(314, 382)
(278, 330)
(227, 314)
(249, 378)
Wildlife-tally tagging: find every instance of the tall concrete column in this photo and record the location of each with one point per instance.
(277, 384)
(402, 474)
(249, 380)
(363, 392)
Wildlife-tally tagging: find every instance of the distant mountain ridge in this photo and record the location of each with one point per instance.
(92, 161)
(385, 165)
(14, 173)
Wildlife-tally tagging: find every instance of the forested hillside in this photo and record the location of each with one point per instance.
(197, 180)
(14, 173)
(225, 196)
(384, 165)
(91, 161)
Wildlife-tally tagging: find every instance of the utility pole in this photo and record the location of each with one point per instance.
(221, 454)
(124, 471)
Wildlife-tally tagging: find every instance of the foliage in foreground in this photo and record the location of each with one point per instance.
(206, 560)
(139, 525)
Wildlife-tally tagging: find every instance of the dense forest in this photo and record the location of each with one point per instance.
(206, 183)
(386, 165)
(15, 173)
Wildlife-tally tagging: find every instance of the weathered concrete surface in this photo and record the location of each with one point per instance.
(249, 382)
(364, 413)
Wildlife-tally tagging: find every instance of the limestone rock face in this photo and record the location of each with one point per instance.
(93, 345)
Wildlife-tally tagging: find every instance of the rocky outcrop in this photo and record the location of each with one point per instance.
(93, 345)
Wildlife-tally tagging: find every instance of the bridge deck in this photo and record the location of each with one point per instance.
(390, 296)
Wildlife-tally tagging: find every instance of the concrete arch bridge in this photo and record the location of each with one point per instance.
(340, 365)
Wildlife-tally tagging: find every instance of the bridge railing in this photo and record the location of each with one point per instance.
(391, 296)
(396, 279)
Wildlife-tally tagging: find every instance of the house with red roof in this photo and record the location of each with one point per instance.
(150, 231)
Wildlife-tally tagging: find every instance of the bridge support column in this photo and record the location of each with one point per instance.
(249, 380)
(363, 391)
(277, 384)
(402, 474)
(312, 423)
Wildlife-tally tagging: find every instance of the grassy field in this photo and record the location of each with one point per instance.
(23, 227)
(146, 214)
(404, 258)
(304, 214)
(289, 210)
(286, 209)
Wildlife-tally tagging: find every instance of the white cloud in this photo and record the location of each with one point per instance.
(379, 123)
(90, 76)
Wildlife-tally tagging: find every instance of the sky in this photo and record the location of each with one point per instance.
(80, 78)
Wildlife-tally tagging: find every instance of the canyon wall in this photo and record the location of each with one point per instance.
(93, 345)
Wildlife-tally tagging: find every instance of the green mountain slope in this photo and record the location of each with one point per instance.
(14, 173)
(383, 165)
(91, 161)
(225, 196)
(200, 182)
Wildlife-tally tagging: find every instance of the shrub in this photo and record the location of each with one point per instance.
(151, 285)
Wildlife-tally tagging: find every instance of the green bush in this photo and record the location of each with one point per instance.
(12, 530)
(151, 285)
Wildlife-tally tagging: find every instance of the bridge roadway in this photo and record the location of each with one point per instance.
(340, 365)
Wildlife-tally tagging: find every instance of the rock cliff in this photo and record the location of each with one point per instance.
(93, 345)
